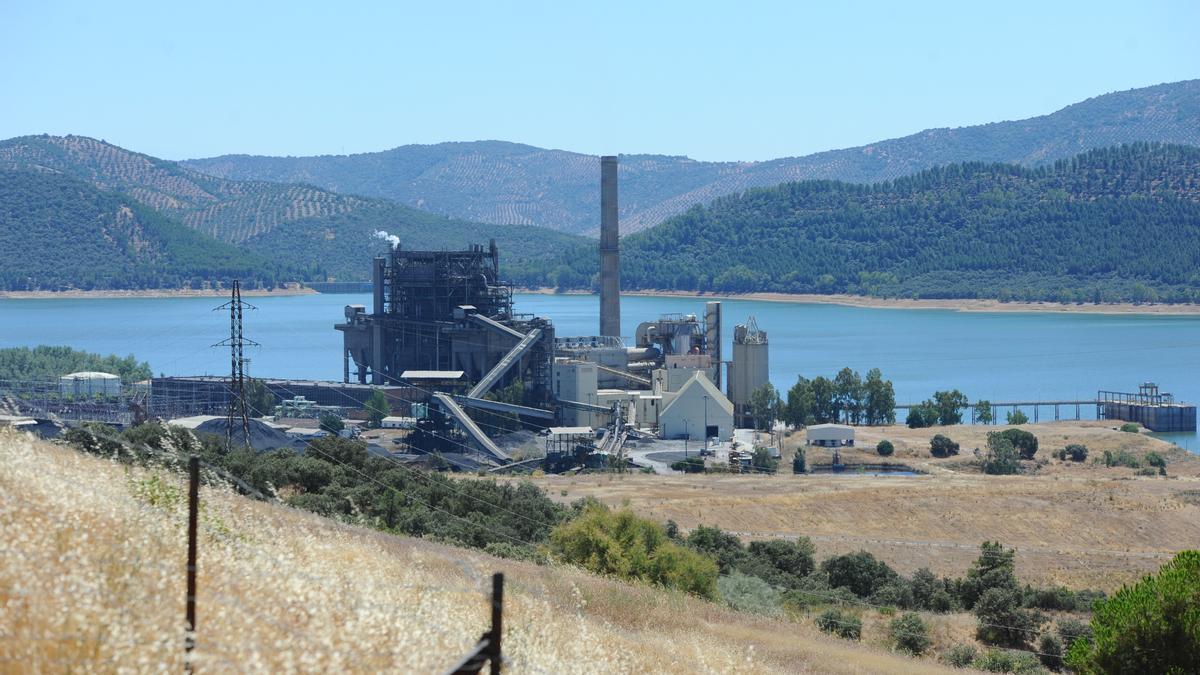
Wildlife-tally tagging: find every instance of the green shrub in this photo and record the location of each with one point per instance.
(1156, 460)
(1050, 651)
(994, 568)
(960, 656)
(1121, 458)
(1147, 471)
(885, 448)
(1025, 443)
(909, 633)
(1017, 417)
(749, 594)
(942, 446)
(1005, 661)
(1001, 458)
(815, 591)
(1074, 452)
(839, 623)
(1150, 627)
(620, 544)
(897, 593)
(1130, 427)
(798, 464)
(689, 465)
(861, 572)
(1070, 630)
(1002, 620)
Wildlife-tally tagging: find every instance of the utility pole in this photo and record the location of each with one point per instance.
(237, 374)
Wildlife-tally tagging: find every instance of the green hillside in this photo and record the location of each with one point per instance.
(498, 182)
(1113, 224)
(318, 233)
(58, 233)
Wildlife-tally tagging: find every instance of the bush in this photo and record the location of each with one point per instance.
(1071, 630)
(1016, 417)
(798, 464)
(689, 465)
(1156, 460)
(1001, 619)
(763, 462)
(1121, 458)
(922, 416)
(1050, 652)
(331, 423)
(885, 448)
(1150, 627)
(860, 572)
(1001, 458)
(909, 633)
(620, 544)
(941, 446)
(839, 623)
(897, 593)
(1074, 452)
(749, 594)
(960, 656)
(792, 558)
(1004, 661)
(1025, 443)
(1131, 428)
(814, 591)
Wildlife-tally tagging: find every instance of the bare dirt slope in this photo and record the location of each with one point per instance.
(1083, 526)
(92, 574)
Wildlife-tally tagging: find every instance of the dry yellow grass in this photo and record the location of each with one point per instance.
(1082, 526)
(92, 568)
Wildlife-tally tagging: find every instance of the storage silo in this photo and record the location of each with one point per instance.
(749, 369)
(89, 384)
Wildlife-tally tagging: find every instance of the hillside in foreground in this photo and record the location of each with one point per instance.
(91, 578)
(499, 182)
(1117, 224)
(310, 231)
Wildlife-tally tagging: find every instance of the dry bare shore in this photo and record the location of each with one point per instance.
(151, 293)
(897, 303)
(92, 580)
(1081, 525)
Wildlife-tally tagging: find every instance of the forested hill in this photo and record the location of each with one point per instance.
(498, 182)
(1114, 224)
(299, 227)
(59, 233)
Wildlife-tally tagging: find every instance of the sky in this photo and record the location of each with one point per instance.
(741, 80)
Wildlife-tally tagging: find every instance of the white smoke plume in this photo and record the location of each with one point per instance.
(389, 238)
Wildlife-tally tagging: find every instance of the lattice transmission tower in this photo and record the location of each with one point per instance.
(238, 409)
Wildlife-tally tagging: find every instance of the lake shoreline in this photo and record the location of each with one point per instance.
(152, 293)
(964, 305)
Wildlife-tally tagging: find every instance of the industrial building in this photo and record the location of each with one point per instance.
(1157, 411)
(442, 326)
(749, 369)
(89, 384)
(829, 435)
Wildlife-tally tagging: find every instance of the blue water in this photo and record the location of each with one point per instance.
(997, 356)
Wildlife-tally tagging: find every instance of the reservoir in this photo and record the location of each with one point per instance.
(990, 355)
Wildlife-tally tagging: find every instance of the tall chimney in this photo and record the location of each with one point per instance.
(610, 257)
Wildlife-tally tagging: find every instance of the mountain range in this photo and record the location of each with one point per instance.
(1115, 224)
(294, 230)
(500, 182)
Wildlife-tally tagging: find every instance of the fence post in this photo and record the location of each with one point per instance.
(193, 512)
(494, 656)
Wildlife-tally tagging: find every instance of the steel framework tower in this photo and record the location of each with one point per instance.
(237, 375)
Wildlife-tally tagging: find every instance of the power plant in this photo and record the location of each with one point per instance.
(442, 324)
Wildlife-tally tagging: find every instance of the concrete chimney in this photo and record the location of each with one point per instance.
(610, 256)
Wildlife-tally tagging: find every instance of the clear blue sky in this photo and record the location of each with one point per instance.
(738, 80)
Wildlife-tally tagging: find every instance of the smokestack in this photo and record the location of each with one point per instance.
(610, 257)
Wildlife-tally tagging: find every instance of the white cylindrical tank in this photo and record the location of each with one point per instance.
(89, 384)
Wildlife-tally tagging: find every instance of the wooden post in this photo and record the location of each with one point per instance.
(193, 513)
(494, 654)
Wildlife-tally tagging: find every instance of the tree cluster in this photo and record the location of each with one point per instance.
(846, 398)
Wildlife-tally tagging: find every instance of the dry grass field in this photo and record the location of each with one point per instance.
(92, 580)
(1079, 525)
